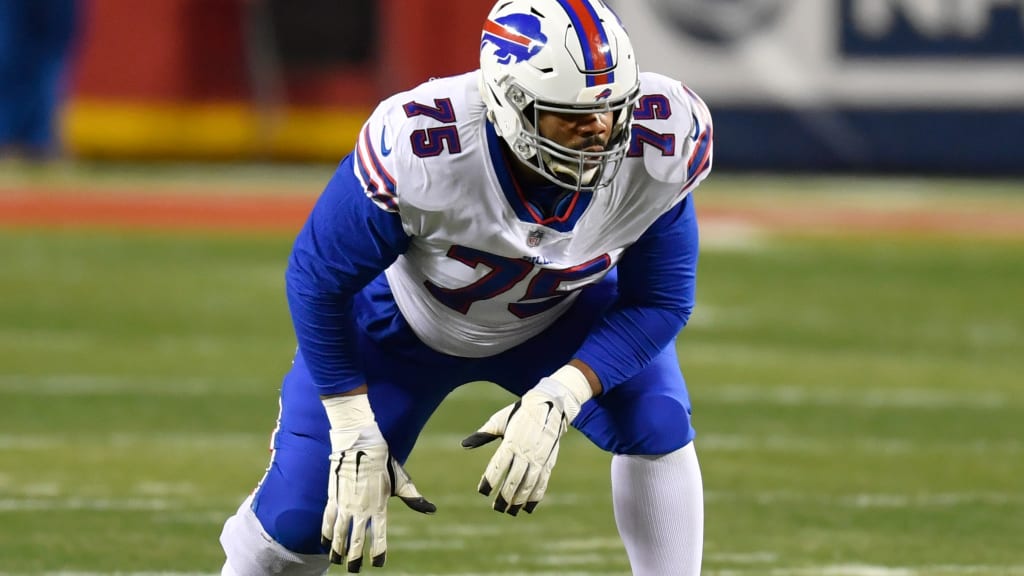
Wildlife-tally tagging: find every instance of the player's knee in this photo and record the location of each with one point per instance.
(656, 424)
(293, 521)
(296, 530)
(290, 500)
(290, 506)
(251, 549)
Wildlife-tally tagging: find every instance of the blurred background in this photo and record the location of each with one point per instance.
(877, 85)
(856, 358)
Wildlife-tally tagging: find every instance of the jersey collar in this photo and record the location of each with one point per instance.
(567, 213)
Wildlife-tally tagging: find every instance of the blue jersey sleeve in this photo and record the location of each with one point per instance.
(657, 286)
(346, 242)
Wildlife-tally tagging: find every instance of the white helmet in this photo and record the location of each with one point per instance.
(564, 56)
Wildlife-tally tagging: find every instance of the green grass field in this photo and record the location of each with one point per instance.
(859, 401)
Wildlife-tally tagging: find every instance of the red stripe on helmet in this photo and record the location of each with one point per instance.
(493, 27)
(592, 33)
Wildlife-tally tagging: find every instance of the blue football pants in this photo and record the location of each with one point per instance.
(407, 381)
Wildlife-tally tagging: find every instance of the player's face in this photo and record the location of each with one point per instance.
(588, 132)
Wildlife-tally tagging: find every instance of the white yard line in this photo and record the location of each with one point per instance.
(44, 442)
(43, 500)
(81, 503)
(870, 500)
(450, 442)
(868, 570)
(577, 545)
(115, 385)
(795, 444)
(723, 234)
(822, 570)
(734, 393)
(924, 398)
(741, 557)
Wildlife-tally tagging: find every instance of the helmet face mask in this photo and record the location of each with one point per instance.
(545, 56)
(570, 167)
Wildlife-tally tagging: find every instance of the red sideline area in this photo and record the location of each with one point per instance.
(149, 211)
(219, 211)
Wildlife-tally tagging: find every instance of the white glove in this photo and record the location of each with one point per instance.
(363, 476)
(531, 428)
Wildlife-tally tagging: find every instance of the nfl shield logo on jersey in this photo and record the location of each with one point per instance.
(534, 238)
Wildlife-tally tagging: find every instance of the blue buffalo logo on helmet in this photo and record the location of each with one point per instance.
(517, 37)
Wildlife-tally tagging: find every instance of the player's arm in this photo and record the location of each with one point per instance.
(657, 283)
(657, 278)
(658, 273)
(347, 241)
(657, 287)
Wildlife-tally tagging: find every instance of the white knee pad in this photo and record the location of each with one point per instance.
(250, 551)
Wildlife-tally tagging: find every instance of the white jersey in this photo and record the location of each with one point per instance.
(484, 270)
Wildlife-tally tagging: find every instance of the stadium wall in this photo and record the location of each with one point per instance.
(846, 85)
(206, 79)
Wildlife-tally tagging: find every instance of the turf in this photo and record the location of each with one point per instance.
(859, 403)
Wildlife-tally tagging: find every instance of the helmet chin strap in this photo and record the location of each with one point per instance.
(567, 171)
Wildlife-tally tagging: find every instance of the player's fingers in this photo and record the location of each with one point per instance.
(417, 502)
(493, 429)
(542, 482)
(478, 439)
(331, 510)
(496, 470)
(339, 540)
(526, 488)
(538, 492)
(327, 527)
(379, 539)
(356, 536)
(402, 486)
(517, 472)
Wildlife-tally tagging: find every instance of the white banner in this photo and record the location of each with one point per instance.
(860, 53)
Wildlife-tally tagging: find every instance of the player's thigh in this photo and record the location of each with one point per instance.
(648, 414)
(290, 500)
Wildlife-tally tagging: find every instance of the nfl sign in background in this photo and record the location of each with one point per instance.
(907, 85)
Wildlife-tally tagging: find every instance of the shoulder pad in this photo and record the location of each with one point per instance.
(407, 128)
(375, 164)
(672, 131)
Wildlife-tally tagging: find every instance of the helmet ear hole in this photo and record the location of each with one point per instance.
(530, 115)
(621, 124)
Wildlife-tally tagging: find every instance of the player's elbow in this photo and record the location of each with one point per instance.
(682, 315)
(675, 318)
(673, 309)
(299, 277)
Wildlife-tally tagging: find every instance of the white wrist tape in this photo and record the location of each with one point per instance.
(352, 422)
(569, 386)
(349, 412)
(572, 378)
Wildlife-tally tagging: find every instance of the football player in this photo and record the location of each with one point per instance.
(37, 42)
(530, 224)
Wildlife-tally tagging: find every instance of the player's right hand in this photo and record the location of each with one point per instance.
(363, 476)
(530, 431)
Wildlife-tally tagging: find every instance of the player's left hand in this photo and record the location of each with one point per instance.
(531, 430)
(363, 477)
